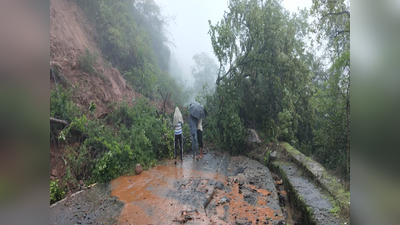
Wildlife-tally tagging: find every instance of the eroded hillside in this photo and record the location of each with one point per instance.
(71, 33)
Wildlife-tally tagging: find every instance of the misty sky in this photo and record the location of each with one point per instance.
(189, 31)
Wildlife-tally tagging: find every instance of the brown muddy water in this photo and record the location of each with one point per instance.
(217, 189)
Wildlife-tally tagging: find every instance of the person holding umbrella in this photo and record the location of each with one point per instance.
(193, 133)
(196, 112)
(178, 123)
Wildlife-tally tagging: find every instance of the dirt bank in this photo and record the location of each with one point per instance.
(70, 34)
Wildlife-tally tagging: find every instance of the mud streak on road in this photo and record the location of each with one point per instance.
(216, 189)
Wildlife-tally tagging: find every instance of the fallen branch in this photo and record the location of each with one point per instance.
(58, 121)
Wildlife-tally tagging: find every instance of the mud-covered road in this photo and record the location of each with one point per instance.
(217, 189)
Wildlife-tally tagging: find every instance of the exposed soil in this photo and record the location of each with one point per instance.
(70, 34)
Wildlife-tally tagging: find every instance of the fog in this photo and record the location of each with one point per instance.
(189, 29)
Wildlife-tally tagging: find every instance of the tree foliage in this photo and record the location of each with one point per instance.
(133, 37)
(262, 69)
(104, 149)
(269, 81)
(332, 101)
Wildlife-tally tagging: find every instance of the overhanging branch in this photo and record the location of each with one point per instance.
(341, 32)
(242, 61)
(336, 14)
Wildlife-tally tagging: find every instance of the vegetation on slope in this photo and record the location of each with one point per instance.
(132, 36)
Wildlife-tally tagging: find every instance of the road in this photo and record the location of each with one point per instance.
(217, 189)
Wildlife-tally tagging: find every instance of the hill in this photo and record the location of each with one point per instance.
(99, 105)
(71, 33)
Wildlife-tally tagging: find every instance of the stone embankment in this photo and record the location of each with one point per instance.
(316, 196)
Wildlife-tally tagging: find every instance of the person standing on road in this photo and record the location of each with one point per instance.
(200, 136)
(193, 133)
(178, 123)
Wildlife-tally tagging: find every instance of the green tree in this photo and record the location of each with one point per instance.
(333, 98)
(262, 59)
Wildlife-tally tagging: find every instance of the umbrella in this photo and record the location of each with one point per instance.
(197, 110)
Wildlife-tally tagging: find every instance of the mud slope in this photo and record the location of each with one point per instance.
(70, 34)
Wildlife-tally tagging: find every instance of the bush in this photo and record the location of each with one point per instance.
(61, 105)
(224, 126)
(86, 62)
(112, 147)
(232, 133)
(55, 191)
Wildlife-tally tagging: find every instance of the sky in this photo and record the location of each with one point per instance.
(189, 30)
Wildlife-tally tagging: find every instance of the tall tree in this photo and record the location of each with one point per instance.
(333, 99)
(261, 53)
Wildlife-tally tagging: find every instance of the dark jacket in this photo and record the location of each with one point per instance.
(192, 124)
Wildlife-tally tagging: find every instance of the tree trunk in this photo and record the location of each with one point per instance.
(58, 121)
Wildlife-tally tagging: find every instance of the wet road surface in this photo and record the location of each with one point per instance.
(217, 189)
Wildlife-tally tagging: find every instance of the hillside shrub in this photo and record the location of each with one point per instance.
(113, 147)
(61, 104)
(87, 60)
(56, 193)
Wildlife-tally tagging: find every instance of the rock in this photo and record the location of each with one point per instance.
(253, 136)
(54, 173)
(272, 155)
(222, 201)
(138, 169)
(219, 185)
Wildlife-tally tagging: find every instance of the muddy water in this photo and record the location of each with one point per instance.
(217, 189)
